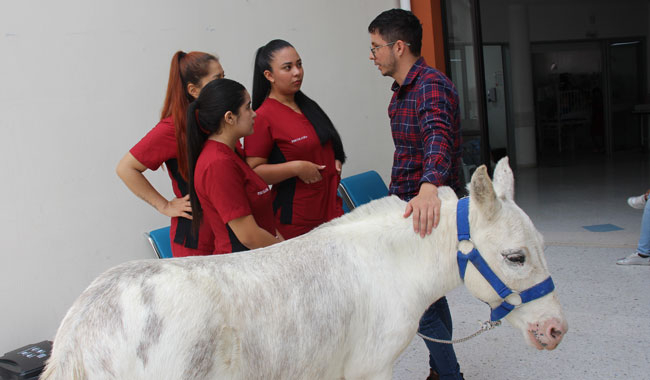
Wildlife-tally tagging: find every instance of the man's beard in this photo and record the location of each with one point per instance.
(389, 67)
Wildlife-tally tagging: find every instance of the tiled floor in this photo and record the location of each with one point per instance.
(607, 306)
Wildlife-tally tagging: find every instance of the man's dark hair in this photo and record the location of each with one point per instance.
(398, 24)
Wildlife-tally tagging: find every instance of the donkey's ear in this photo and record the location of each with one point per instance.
(504, 181)
(482, 193)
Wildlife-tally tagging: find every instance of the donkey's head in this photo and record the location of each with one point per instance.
(514, 251)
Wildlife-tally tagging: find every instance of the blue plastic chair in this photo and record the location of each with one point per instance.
(362, 188)
(159, 240)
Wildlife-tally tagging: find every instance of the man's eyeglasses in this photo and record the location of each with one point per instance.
(373, 49)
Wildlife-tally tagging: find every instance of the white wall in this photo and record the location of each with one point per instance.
(82, 81)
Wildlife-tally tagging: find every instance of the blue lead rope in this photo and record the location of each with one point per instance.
(537, 291)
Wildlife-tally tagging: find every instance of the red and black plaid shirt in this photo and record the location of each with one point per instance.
(425, 123)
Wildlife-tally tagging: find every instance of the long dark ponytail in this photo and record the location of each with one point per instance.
(204, 117)
(323, 126)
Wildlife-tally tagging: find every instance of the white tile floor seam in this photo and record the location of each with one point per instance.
(607, 305)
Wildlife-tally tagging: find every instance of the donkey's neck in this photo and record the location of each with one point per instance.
(439, 263)
(423, 269)
(427, 267)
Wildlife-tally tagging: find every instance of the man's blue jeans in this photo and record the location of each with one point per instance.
(644, 239)
(436, 323)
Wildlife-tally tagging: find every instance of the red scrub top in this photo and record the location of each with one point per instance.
(283, 135)
(156, 148)
(229, 189)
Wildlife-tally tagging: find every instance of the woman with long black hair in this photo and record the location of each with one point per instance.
(295, 146)
(225, 193)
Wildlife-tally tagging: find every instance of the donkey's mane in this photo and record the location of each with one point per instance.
(381, 207)
(375, 208)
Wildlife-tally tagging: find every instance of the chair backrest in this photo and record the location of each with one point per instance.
(362, 188)
(160, 242)
(347, 204)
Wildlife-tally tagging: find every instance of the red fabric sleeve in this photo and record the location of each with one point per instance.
(260, 143)
(157, 146)
(227, 192)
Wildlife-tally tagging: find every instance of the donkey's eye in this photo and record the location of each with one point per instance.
(518, 257)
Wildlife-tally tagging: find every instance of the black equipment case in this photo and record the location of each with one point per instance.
(25, 363)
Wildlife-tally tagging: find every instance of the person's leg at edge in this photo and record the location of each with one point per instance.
(642, 254)
(644, 239)
(436, 323)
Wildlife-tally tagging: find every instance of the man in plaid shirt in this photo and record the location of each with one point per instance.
(425, 123)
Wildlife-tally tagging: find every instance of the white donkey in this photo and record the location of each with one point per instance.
(341, 302)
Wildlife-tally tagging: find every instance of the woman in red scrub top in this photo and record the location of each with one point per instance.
(165, 143)
(225, 192)
(295, 146)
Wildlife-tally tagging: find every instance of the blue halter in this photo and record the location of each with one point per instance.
(537, 291)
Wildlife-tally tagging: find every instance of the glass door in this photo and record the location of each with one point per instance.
(465, 69)
(497, 102)
(625, 87)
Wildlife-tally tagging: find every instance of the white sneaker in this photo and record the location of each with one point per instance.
(637, 202)
(634, 259)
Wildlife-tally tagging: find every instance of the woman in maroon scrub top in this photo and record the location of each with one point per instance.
(225, 192)
(165, 143)
(295, 146)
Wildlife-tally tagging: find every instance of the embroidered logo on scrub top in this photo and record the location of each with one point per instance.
(298, 139)
(262, 192)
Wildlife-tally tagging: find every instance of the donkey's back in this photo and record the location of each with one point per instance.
(264, 313)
